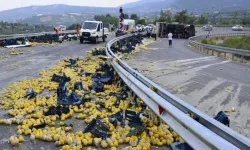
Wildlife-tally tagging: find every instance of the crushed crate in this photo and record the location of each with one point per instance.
(180, 146)
(30, 94)
(78, 86)
(74, 99)
(59, 110)
(133, 118)
(137, 131)
(72, 62)
(97, 87)
(97, 128)
(59, 79)
(62, 97)
(115, 118)
(222, 118)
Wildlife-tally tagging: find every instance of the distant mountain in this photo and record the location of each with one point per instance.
(196, 6)
(26, 12)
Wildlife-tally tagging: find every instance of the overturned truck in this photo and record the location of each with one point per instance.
(178, 30)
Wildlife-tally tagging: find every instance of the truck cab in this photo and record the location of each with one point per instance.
(93, 31)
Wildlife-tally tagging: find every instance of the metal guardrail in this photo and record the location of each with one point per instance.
(205, 134)
(220, 49)
(14, 36)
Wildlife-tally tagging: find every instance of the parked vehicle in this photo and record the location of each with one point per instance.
(237, 28)
(93, 31)
(207, 27)
(139, 28)
(62, 28)
(150, 27)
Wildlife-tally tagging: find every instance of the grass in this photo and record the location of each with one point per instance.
(242, 42)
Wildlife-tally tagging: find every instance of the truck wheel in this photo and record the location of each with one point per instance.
(96, 40)
(81, 40)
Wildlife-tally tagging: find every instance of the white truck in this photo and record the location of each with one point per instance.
(93, 31)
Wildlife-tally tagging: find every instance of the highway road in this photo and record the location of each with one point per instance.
(221, 30)
(208, 83)
(27, 66)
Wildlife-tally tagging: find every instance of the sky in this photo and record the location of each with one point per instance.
(10, 4)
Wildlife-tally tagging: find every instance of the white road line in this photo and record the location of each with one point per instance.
(193, 59)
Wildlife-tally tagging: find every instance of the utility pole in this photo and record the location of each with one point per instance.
(12, 28)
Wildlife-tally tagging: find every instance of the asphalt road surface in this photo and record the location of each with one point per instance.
(221, 30)
(208, 83)
(27, 66)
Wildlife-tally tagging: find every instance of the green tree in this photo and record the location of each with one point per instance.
(134, 17)
(72, 27)
(141, 21)
(234, 18)
(202, 19)
(245, 20)
(165, 16)
(182, 16)
(126, 16)
(107, 20)
(191, 19)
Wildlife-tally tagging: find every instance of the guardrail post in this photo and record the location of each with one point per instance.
(232, 56)
(218, 54)
(241, 59)
(225, 55)
(212, 53)
(207, 51)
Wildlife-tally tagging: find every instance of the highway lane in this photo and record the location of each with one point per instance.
(28, 66)
(208, 83)
(221, 30)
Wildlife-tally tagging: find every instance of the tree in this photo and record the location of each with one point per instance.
(182, 16)
(107, 20)
(191, 19)
(134, 17)
(165, 16)
(234, 18)
(72, 27)
(126, 16)
(142, 22)
(202, 19)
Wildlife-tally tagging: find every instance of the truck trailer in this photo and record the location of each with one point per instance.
(178, 30)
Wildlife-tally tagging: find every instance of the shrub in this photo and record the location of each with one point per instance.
(204, 41)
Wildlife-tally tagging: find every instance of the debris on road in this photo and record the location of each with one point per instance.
(86, 90)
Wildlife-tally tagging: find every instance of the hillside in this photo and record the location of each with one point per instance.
(196, 6)
(65, 19)
(26, 12)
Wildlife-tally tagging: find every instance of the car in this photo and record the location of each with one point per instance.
(207, 27)
(139, 27)
(150, 27)
(237, 28)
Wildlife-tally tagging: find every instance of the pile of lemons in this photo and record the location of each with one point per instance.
(27, 113)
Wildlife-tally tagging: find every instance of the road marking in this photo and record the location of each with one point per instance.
(193, 59)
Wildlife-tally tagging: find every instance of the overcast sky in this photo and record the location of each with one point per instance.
(9, 4)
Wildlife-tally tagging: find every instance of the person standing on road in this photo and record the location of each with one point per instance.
(154, 32)
(78, 30)
(57, 30)
(170, 38)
